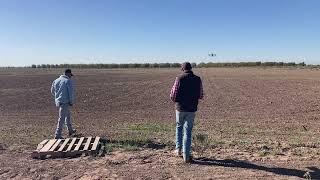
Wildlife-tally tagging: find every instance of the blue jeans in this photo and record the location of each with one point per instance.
(64, 118)
(184, 125)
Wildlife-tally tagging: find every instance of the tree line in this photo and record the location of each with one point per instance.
(169, 65)
(111, 66)
(250, 64)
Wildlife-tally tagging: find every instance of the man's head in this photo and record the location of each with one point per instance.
(68, 73)
(186, 66)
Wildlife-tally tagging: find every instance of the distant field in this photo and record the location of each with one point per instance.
(265, 116)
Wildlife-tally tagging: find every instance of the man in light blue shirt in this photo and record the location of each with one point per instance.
(63, 92)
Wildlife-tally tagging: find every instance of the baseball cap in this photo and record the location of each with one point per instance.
(68, 71)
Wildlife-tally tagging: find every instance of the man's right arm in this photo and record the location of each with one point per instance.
(52, 89)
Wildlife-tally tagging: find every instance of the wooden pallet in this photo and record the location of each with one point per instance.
(66, 147)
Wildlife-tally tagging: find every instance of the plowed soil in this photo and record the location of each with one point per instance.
(257, 123)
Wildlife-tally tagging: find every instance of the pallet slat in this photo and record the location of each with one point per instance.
(40, 145)
(55, 145)
(64, 144)
(86, 147)
(79, 144)
(71, 144)
(95, 144)
(48, 145)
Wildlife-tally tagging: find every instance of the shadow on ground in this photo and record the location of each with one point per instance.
(314, 172)
(139, 143)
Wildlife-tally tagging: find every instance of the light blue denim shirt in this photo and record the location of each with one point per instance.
(62, 90)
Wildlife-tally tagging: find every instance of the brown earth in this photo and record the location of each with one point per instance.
(257, 123)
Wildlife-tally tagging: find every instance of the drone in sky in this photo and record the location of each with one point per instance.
(212, 55)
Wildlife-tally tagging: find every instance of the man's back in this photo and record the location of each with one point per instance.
(188, 92)
(62, 90)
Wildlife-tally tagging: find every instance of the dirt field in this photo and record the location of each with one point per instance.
(254, 123)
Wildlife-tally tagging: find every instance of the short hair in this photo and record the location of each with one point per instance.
(186, 66)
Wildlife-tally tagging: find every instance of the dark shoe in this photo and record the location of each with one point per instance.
(56, 137)
(188, 159)
(73, 132)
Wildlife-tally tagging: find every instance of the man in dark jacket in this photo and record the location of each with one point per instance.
(186, 92)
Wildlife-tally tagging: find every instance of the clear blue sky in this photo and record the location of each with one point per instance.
(127, 31)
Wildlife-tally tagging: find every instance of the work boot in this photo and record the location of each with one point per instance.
(73, 132)
(187, 159)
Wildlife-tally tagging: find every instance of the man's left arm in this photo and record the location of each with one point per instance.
(174, 90)
(70, 92)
